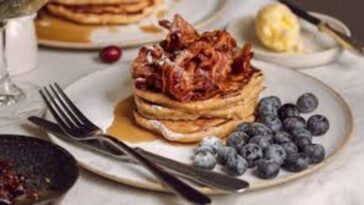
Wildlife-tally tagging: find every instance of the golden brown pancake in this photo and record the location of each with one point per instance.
(113, 8)
(169, 129)
(94, 2)
(239, 111)
(87, 17)
(200, 106)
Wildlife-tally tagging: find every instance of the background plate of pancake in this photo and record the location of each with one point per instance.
(92, 24)
(111, 86)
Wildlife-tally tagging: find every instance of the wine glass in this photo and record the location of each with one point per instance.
(16, 102)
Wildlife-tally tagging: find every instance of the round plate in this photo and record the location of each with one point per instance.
(97, 94)
(76, 36)
(320, 48)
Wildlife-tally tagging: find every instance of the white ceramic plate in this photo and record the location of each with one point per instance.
(320, 49)
(199, 13)
(97, 94)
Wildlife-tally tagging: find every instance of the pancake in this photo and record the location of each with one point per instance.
(94, 2)
(239, 111)
(189, 126)
(220, 129)
(83, 17)
(113, 9)
(200, 106)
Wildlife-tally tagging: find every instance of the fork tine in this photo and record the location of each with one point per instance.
(73, 107)
(63, 104)
(53, 111)
(59, 110)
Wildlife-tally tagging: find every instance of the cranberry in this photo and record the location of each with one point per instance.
(110, 54)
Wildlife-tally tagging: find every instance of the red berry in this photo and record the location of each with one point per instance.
(110, 54)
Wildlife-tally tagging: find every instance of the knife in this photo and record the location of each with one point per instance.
(342, 39)
(212, 179)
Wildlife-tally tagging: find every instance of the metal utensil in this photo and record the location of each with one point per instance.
(75, 124)
(344, 40)
(204, 177)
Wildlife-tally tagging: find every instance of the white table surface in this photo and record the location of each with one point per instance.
(339, 183)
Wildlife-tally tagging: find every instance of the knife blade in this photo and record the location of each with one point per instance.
(347, 42)
(213, 179)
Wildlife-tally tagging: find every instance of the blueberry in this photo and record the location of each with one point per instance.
(307, 103)
(223, 154)
(252, 153)
(211, 141)
(205, 148)
(301, 137)
(302, 141)
(204, 160)
(259, 129)
(268, 106)
(262, 141)
(272, 122)
(315, 152)
(288, 110)
(243, 127)
(301, 132)
(291, 123)
(236, 164)
(267, 168)
(237, 139)
(297, 163)
(276, 153)
(318, 125)
(290, 148)
(281, 137)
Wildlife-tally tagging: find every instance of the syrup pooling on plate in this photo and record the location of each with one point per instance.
(52, 28)
(123, 126)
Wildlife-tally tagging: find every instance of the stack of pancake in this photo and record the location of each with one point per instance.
(190, 122)
(102, 12)
(183, 98)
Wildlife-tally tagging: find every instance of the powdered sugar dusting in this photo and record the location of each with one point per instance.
(157, 107)
(167, 133)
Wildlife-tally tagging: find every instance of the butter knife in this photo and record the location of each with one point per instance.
(347, 42)
(212, 179)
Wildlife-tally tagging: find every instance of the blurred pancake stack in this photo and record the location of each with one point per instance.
(193, 85)
(102, 12)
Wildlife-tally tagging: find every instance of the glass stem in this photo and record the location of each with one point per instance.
(9, 92)
(3, 61)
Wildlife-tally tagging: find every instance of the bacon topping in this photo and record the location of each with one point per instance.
(188, 66)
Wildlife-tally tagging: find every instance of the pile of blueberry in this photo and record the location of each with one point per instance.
(281, 137)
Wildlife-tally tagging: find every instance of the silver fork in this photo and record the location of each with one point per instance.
(75, 124)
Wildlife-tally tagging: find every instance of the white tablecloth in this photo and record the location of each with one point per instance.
(338, 183)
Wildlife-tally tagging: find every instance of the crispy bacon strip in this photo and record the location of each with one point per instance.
(188, 66)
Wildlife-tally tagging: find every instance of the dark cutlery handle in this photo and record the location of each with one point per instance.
(209, 178)
(176, 185)
(214, 179)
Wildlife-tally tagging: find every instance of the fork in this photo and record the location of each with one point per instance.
(74, 123)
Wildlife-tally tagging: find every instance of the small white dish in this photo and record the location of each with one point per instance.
(320, 49)
(109, 86)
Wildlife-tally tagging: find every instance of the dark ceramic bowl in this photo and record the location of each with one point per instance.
(48, 168)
